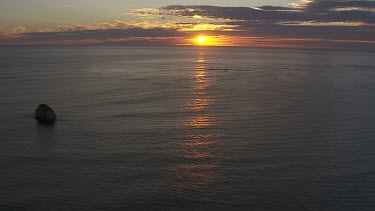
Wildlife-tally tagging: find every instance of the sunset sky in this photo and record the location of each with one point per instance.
(253, 23)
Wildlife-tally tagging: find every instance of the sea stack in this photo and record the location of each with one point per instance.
(45, 114)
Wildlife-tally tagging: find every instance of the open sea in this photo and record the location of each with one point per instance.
(187, 128)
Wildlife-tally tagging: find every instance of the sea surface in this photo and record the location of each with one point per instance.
(187, 128)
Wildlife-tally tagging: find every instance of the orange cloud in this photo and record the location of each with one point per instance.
(13, 31)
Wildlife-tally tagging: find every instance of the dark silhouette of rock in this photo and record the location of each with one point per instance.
(45, 114)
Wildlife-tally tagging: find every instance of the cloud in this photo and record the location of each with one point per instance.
(13, 31)
(330, 32)
(275, 8)
(311, 11)
(337, 22)
(19, 30)
(309, 23)
(327, 5)
(118, 31)
(81, 34)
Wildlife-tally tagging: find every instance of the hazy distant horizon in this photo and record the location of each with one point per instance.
(119, 45)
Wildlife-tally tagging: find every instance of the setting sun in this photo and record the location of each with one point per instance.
(202, 39)
(210, 40)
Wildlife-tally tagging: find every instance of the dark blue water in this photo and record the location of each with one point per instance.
(187, 129)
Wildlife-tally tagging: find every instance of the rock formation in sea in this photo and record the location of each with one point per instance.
(45, 114)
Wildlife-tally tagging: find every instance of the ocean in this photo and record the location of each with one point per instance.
(187, 128)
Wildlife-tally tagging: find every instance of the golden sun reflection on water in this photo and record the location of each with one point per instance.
(201, 98)
(199, 144)
(197, 175)
(200, 122)
(198, 104)
(200, 60)
(195, 146)
(201, 81)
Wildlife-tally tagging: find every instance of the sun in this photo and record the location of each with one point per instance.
(208, 40)
(201, 40)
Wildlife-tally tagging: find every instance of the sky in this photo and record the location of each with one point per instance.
(338, 24)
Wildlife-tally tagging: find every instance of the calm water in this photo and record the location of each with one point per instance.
(187, 129)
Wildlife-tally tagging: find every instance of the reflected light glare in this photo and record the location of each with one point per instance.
(199, 141)
(201, 60)
(199, 104)
(201, 81)
(200, 122)
(196, 177)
